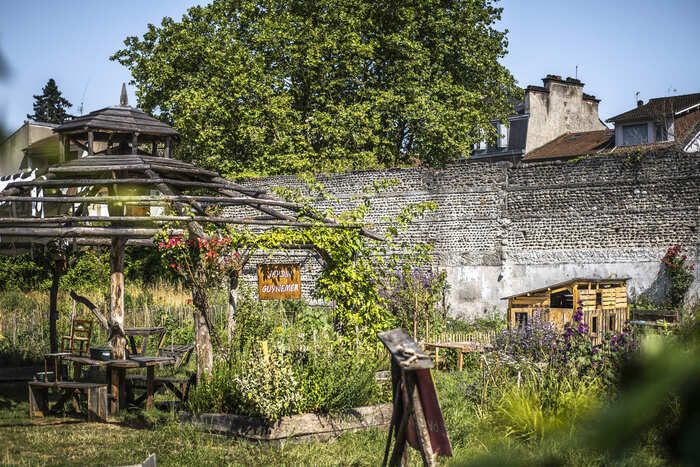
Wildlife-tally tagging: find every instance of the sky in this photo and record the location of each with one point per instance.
(620, 47)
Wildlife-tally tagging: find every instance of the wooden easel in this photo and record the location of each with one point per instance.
(416, 418)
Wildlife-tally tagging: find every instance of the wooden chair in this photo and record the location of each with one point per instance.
(78, 343)
(178, 385)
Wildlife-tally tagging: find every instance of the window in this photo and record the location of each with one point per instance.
(611, 323)
(563, 299)
(634, 134)
(521, 319)
(661, 132)
(599, 298)
(594, 324)
(503, 136)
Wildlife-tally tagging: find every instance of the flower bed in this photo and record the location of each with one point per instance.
(303, 426)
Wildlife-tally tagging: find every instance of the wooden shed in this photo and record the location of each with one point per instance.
(603, 302)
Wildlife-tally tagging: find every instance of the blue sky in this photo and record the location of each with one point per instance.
(620, 47)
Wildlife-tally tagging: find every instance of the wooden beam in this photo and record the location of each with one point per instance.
(153, 219)
(68, 232)
(220, 200)
(71, 182)
(91, 142)
(92, 307)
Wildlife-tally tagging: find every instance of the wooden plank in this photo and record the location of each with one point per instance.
(67, 232)
(405, 350)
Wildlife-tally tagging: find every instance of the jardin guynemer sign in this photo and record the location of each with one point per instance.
(279, 281)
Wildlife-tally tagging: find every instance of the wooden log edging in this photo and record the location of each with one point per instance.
(303, 426)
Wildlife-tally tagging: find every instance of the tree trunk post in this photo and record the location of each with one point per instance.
(59, 262)
(205, 354)
(53, 307)
(232, 303)
(116, 292)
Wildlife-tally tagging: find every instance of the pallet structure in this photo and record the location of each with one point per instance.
(602, 301)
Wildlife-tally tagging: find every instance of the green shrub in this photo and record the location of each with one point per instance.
(278, 383)
(337, 378)
(22, 272)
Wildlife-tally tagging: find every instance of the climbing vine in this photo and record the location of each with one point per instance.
(679, 272)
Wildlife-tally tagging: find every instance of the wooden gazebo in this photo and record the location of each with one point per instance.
(120, 192)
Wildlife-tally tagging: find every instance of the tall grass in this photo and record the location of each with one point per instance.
(24, 336)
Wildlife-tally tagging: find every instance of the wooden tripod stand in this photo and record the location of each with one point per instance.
(416, 419)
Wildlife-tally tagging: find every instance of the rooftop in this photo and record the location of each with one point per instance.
(122, 119)
(573, 144)
(558, 285)
(658, 107)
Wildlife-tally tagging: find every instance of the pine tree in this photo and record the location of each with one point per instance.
(50, 106)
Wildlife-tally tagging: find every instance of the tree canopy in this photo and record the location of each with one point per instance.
(278, 86)
(50, 106)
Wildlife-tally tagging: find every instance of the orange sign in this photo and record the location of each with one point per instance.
(279, 281)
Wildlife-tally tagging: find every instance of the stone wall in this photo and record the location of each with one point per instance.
(501, 229)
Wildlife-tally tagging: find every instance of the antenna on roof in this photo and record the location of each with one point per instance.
(576, 75)
(124, 99)
(82, 98)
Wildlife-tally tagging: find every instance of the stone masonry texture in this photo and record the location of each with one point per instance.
(502, 229)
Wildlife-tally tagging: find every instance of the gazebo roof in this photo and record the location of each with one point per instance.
(133, 181)
(121, 119)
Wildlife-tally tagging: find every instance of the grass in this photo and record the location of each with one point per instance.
(477, 439)
(65, 441)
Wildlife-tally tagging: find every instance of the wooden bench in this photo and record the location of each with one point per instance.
(95, 395)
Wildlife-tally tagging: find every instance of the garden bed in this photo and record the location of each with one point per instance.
(303, 426)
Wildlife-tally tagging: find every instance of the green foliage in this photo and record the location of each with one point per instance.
(416, 298)
(277, 383)
(22, 336)
(335, 377)
(260, 88)
(355, 265)
(679, 272)
(21, 272)
(50, 106)
(89, 271)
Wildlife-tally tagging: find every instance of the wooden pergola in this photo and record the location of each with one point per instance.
(122, 191)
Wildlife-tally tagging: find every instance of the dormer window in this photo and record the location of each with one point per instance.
(633, 135)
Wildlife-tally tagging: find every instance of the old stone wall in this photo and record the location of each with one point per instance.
(501, 229)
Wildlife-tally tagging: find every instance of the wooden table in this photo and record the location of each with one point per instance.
(460, 347)
(116, 371)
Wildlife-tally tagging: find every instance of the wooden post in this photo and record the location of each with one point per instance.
(232, 301)
(91, 141)
(116, 291)
(135, 143)
(53, 307)
(150, 376)
(168, 147)
(205, 354)
(64, 151)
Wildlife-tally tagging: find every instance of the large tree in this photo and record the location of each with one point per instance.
(280, 86)
(50, 106)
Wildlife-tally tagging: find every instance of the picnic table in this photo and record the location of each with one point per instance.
(460, 347)
(116, 371)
